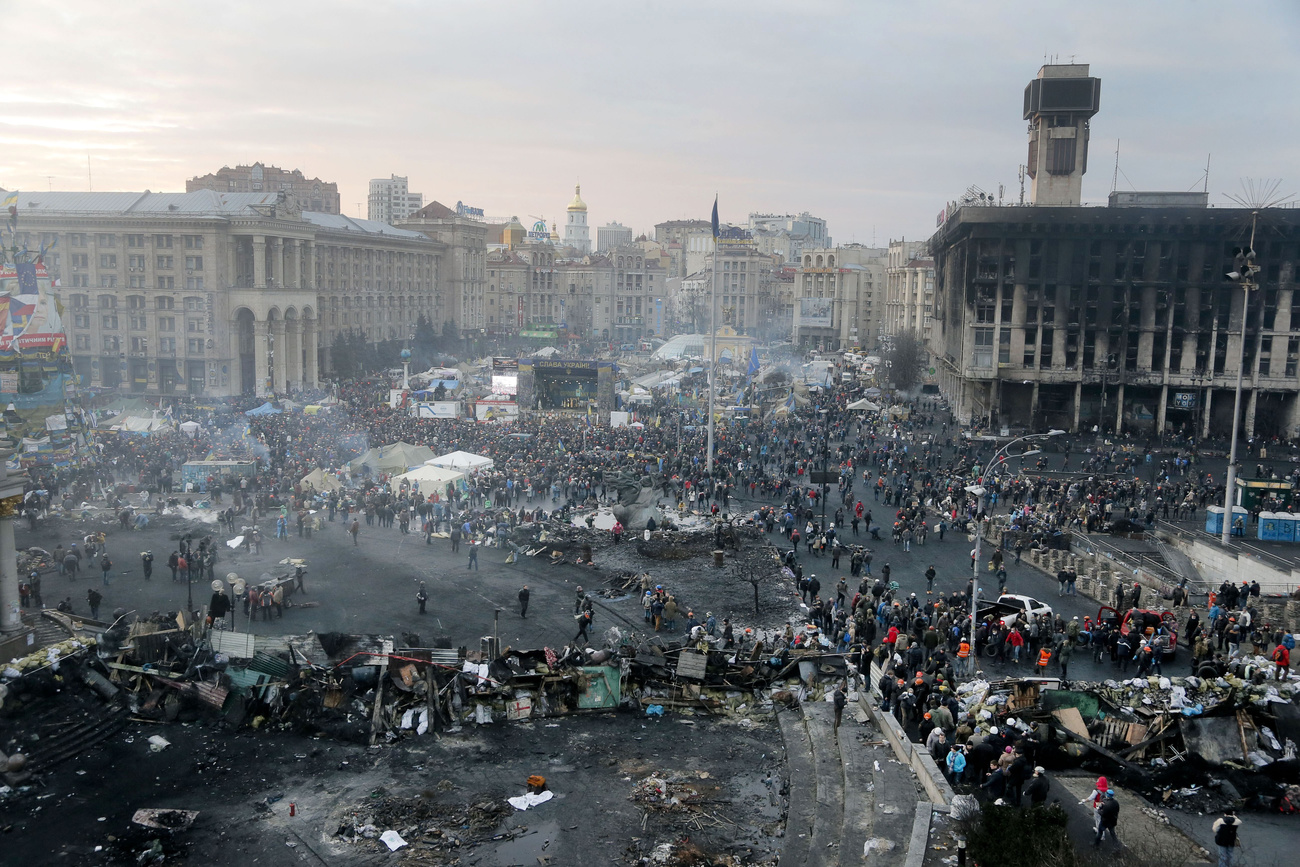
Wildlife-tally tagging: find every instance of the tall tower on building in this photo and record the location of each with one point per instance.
(1059, 105)
(576, 233)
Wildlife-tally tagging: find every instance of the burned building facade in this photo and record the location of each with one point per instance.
(1119, 317)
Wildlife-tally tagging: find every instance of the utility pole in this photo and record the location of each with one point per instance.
(1243, 273)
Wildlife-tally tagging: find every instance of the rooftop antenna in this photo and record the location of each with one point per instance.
(50, 179)
(1114, 179)
(1022, 185)
(1206, 190)
(90, 182)
(1258, 194)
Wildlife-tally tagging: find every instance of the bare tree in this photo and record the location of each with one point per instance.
(905, 358)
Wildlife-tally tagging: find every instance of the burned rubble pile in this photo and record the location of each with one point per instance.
(429, 829)
(1195, 744)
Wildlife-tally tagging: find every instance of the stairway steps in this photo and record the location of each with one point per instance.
(889, 782)
(803, 791)
(824, 846)
(859, 799)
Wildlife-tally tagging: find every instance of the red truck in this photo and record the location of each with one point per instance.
(1139, 623)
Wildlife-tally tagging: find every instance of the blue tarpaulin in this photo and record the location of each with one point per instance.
(264, 409)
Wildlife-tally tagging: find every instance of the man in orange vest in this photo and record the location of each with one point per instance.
(963, 658)
(1044, 657)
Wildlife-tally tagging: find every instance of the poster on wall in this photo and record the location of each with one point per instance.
(814, 313)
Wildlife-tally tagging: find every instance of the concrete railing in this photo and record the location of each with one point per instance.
(914, 755)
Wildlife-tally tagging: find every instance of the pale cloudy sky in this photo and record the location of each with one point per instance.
(871, 115)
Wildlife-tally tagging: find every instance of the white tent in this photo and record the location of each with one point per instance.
(871, 406)
(430, 479)
(461, 461)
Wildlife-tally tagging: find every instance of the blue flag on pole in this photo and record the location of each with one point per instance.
(715, 218)
(753, 361)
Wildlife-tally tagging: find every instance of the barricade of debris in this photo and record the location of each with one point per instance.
(1191, 743)
(371, 688)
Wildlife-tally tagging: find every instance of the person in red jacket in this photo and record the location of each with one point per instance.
(1282, 659)
(1017, 642)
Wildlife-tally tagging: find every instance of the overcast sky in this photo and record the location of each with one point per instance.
(870, 115)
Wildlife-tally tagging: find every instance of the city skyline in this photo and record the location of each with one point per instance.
(871, 117)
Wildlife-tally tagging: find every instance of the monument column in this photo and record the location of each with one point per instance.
(311, 266)
(293, 352)
(277, 262)
(261, 332)
(11, 501)
(278, 358)
(311, 376)
(259, 261)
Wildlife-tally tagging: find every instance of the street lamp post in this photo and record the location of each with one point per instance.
(1243, 273)
(979, 490)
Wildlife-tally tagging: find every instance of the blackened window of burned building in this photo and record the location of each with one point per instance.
(1061, 155)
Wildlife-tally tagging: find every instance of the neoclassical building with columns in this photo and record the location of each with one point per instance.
(219, 294)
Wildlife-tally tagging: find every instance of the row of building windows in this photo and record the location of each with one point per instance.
(137, 302)
(112, 344)
(136, 322)
(109, 241)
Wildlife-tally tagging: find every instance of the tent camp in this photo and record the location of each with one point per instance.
(140, 424)
(394, 458)
(868, 405)
(264, 409)
(430, 479)
(322, 481)
(461, 461)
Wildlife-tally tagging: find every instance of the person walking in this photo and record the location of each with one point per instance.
(94, 597)
(841, 699)
(146, 560)
(1225, 836)
(473, 559)
(584, 623)
(523, 602)
(355, 529)
(1038, 788)
(105, 565)
(422, 597)
(1107, 818)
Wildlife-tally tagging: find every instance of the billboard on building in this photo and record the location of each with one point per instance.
(496, 410)
(815, 313)
(35, 369)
